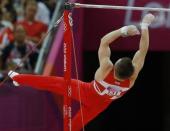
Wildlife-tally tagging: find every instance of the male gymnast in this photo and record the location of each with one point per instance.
(111, 81)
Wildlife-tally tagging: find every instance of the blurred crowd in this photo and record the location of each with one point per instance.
(22, 24)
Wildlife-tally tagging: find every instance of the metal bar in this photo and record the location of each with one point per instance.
(78, 5)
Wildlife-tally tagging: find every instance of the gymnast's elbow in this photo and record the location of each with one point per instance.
(104, 41)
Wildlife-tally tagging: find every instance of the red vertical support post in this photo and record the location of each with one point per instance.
(68, 41)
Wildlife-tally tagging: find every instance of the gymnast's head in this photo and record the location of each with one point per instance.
(124, 68)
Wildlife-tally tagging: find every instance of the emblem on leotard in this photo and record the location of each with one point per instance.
(114, 91)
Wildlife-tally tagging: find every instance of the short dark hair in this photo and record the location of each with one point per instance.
(124, 68)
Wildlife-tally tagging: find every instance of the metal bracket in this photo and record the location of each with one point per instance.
(69, 6)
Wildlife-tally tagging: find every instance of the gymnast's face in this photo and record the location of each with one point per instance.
(124, 68)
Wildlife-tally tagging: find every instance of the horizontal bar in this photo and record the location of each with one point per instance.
(78, 5)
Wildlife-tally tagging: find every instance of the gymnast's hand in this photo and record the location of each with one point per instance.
(12, 74)
(148, 19)
(132, 30)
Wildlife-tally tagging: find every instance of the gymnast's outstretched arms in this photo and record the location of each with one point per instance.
(104, 51)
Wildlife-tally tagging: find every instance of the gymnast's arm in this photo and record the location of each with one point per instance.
(104, 54)
(139, 57)
(46, 83)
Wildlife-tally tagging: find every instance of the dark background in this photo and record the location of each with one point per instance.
(145, 106)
